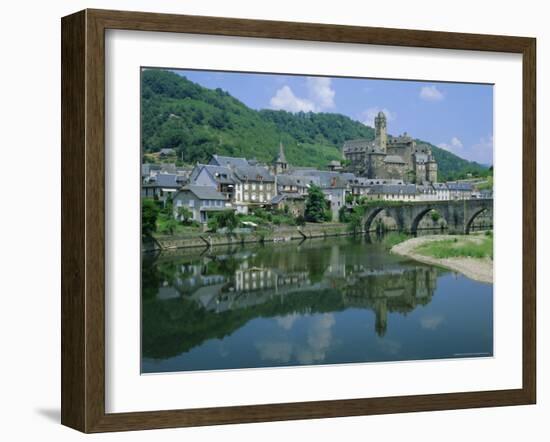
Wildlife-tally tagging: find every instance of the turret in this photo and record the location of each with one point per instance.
(381, 133)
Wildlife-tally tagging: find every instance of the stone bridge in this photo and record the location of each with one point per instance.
(459, 214)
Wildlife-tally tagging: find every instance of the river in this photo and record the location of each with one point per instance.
(326, 301)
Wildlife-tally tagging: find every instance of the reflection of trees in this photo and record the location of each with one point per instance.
(218, 294)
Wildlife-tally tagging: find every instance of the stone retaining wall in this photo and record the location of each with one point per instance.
(215, 239)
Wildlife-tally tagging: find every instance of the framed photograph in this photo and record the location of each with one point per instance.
(269, 220)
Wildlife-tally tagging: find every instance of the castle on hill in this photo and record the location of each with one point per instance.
(389, 157)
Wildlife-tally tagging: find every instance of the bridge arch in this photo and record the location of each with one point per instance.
(473, 217)
(416, 220)
(370, 217)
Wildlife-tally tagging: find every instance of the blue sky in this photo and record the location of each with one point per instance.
(455, 116)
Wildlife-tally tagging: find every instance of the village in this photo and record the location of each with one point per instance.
(243, 185)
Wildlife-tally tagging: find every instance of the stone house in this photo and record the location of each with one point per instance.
(293, 202)
(201, 201)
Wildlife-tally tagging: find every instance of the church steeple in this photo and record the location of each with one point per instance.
(281, 165)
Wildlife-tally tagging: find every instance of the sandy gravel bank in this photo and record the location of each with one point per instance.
(474, 268)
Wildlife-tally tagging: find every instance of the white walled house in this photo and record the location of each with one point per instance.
(441, 191)
(460, 190)
(393, 192)
(255, 186)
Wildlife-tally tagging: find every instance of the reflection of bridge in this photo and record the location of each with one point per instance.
(459, 214)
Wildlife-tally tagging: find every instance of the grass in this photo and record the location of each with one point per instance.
(394, 238)
(482, 247)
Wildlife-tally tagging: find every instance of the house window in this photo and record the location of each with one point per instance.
(246, 187)
(261, 187)
(253, 186)
(245, 196)
(191, 203)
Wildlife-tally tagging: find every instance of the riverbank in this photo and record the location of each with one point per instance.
(478, 268)
(280, 234)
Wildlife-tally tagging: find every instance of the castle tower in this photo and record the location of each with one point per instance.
(381, 131)
(431, 170)
(281, 166)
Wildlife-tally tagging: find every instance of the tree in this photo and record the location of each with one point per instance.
(355, 221)
(184, 214)
(316, 205)
(225, 219)
(300, 220)
(149, 215)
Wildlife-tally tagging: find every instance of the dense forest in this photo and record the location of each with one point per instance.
(198, 122)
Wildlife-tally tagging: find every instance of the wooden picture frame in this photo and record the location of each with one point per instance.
(83, 219)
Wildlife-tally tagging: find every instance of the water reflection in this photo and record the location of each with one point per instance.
(280, 304)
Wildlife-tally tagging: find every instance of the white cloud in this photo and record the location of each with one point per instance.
(286, 322)
(320, 97)
(275, 351)
(431, 322)
(367, 117)
(455, 146)
(431, 93)
(482, 151)
(320, 92)
(319, 337)
(284, 99)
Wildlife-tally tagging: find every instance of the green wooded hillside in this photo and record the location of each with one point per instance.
(198, 122)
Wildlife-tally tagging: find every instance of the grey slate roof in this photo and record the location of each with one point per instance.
(220, 160)
(464, 187)
(295, 180)
(167, 180)
(440, 186)
(147, 168)
(254, 173)
(329, 179)
(222, 175)
(204, 192)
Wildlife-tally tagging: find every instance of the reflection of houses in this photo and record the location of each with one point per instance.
(390, 293)
(201, 201)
